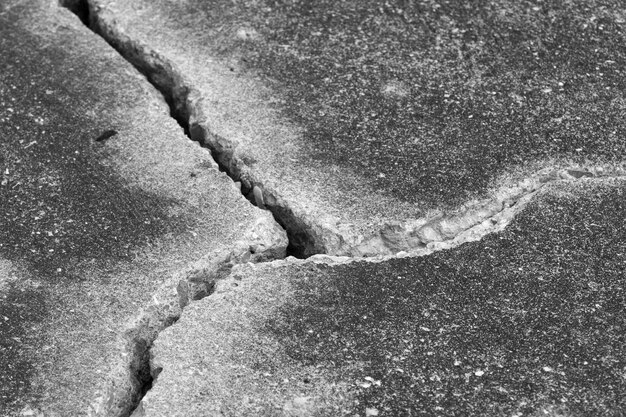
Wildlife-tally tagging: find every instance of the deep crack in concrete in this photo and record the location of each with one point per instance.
(134, 376)
(182, 100)
(306, 236)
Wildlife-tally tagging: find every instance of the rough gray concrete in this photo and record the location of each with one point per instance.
(527, 322)
(486, 139)
(103, 199)
(354, 115)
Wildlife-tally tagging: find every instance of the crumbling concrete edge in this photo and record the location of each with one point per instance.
(472, 221)
(132, 376)
(307, 235)
(486, 218)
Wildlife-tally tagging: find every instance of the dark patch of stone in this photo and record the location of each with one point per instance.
(579, 174)
(529, 320)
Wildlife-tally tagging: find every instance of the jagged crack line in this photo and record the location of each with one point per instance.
(182, 101)
(136, 376)
(306, 236)
(304, 239)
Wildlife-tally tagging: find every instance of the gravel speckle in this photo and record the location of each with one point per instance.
(438, 96)
(525, 320)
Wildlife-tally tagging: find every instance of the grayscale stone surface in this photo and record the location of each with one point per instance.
(102, 199)
(457, 167)
(354, 115)
(529, 321)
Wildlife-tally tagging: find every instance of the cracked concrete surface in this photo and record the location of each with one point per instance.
(309, 233)
(91, 229)
(528, 321)
(291, 337)
(132, 376)
(238, 109)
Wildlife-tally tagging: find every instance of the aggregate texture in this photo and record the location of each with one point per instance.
(351, 115)
(489, 129)
(526, 322)
(102, 200)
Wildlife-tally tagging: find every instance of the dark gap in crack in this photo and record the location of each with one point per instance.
(169, 99)
(142, 375)
(299, 242)
(140, 369)
(79, 7)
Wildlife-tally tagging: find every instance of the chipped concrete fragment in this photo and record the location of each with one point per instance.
(258, 197)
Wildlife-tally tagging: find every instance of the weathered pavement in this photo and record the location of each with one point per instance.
(359, 120)
(529, 321)
(368, 128)
(103, 199)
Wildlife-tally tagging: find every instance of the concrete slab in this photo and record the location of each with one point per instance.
(367, 128)
(102, 200)
(350, 116)
(529, 321)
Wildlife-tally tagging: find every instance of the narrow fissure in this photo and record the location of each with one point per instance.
(138, 375)
(182, 109)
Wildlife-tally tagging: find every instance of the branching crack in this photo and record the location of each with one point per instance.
(134, 375)
(416, 237)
